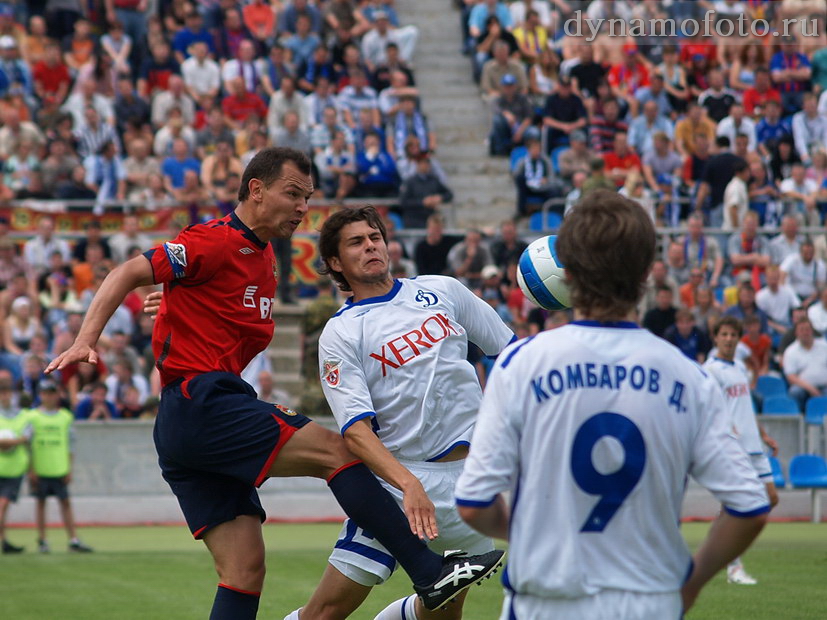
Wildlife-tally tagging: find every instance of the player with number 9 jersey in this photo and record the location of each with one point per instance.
(594, 427)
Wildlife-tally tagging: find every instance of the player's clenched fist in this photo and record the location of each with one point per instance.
(152, 303)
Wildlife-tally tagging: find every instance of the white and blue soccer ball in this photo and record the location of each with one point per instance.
(541, 277)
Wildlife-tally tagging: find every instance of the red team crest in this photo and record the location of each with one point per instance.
(285, 410)
(331, 372)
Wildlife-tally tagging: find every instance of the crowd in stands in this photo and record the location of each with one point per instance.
(724, 132)
(158, 102)
(662, 117)
(178, 98)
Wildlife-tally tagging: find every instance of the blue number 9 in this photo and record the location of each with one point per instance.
(612, 488)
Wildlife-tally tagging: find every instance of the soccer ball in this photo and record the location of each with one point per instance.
(540, 274)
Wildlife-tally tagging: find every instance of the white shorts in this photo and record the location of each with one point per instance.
(363, 559)
(761, 465)
(605, 605)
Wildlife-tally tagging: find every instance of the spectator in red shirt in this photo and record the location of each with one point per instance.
(758, 95)
(51, 77)
(699, 46)
(627, 77)
(604, 127)
(760, 345)
(260, 18)
(621, 160)
(240, 104)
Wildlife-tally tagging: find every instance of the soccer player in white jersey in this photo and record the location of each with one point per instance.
(394, 369)
(594, 427)
(732, 376)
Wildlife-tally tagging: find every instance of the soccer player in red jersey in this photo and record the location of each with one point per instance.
(216, 441)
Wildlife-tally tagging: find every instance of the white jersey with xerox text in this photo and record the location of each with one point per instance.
(400, 359)
(733, 378)
(595, 428)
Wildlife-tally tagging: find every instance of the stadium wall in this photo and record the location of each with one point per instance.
(116, 480)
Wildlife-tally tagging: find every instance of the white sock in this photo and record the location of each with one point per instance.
(293, 615)
(395, 610)
(734, 564)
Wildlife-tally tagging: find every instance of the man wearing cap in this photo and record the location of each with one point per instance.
(375, 42)
(497, 68)
(16, 70)
(512, 116)
(51, 470)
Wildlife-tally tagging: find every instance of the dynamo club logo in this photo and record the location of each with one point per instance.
(426, 298)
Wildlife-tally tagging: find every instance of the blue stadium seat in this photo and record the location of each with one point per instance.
(516, 155)
(809, 471)
(780, 405)
(555, 158)
(815, 410)
(396, 219)
(553, 220)
(769, 385)
(777, 473)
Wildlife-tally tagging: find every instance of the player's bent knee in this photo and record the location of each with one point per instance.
(247, 576)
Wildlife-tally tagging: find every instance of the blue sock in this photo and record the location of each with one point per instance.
(374, 510)
(233, 604)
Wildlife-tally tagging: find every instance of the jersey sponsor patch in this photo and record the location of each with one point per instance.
(285, 410)
(246, 250)
(331, 373)
(177, 256)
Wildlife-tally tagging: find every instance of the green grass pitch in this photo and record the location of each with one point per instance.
(159, 572)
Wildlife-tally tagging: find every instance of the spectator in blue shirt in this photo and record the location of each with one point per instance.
(479, 15)
(771, 128)
(95, 406)
(791, 72)
(175, 167)
(291, 13)
(303, 43)
(685, 335)
(375, 169)
(192, 31)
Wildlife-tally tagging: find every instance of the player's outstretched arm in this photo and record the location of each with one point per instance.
(120, 281)
(491, 520)
(365, 445)
(728, 538)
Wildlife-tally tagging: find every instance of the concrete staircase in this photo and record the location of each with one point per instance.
(285, 350)
(483, 192)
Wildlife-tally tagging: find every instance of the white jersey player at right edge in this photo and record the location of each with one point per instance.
(731, 375)
(594, 428)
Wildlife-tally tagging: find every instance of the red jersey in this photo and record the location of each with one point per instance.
(52, 78)
(219, 282)
(239, 108)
